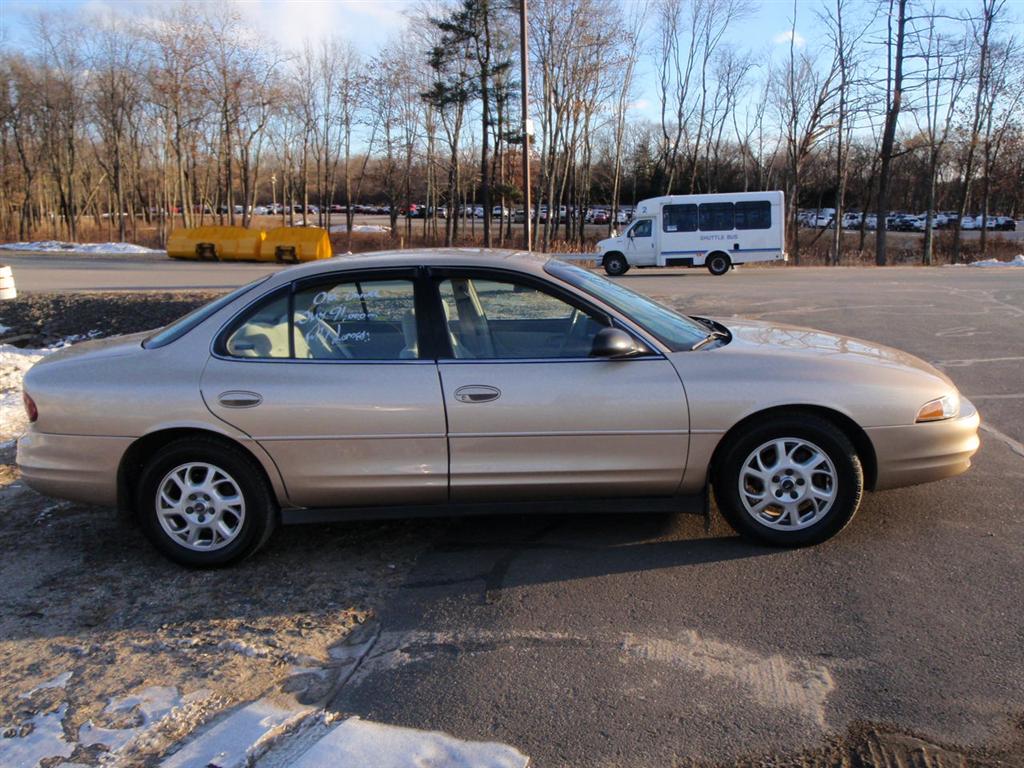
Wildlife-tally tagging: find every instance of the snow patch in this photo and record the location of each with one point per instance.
(144, 708)
(378, 229)
(1016, 261)
(4, 329)
(360, 742)
(244, 648)
(14, 364)
(239, 739)
(45, 739)
(56, 246)
(59, 681)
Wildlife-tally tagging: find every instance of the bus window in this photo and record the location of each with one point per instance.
(679, 218)
(715, 217)
(755, 214)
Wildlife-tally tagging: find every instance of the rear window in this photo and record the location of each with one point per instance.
(180, 327)
(754, 214)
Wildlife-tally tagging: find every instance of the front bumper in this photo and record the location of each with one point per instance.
(77, 467)
(920, 453)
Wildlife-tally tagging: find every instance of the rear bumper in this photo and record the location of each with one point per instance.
(77, 467)
(920, 453)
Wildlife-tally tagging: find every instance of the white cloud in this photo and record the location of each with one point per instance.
(367, 23)
(784, 37)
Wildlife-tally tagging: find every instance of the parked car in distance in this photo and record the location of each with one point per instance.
(427, 382)
(600, 216)
(1001, 223)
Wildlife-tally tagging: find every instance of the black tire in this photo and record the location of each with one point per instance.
(718, 263)
(261, 511)
(823, 434)
(615, 264)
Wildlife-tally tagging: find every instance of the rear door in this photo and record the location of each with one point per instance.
(327, 375)
(531, 415)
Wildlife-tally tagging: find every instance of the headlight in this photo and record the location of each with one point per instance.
(946, 407)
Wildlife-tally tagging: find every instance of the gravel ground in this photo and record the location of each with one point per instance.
(99, 634)
(44, 319)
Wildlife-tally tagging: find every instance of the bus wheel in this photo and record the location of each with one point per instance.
(718, 263)
(615, 264)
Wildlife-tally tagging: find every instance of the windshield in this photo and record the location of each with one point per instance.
(180, 327)
(676, 331)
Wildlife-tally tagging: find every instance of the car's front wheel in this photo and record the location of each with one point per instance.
(792, 480)
(204, 503)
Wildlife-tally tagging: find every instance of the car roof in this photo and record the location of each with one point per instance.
(518, 261)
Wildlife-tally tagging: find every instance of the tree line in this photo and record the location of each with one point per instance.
(118, 121)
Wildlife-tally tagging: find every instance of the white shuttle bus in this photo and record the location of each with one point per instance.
(717, 231)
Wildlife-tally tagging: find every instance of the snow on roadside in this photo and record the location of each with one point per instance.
(14, 364)
(1016, 261)
(378, 229)
(361, 742)
(56, 246)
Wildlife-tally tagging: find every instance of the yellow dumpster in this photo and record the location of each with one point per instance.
(295, 244)
(216, 243)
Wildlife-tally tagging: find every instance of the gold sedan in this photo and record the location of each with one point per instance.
(477, 382)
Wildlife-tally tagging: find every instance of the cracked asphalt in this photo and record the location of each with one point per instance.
(656, 640)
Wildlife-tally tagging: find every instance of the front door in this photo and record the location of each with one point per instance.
(327, 377)
(532, 416)
(641, 248)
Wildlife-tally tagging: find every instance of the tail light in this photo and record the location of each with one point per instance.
(30, 406)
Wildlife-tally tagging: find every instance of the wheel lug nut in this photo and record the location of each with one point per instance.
(189, 510)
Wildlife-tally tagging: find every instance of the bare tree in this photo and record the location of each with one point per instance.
(806, 99)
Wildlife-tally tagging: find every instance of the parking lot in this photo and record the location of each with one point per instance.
(641, 640)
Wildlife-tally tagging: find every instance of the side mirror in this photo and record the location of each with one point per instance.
(613, 343)
(630, 234)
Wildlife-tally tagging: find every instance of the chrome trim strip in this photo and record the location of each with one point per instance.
(580, 433)
(389, 436)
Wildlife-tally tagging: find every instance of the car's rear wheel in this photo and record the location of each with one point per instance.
(204, 503)
(718, 263)
(793, 480)
(615, 264)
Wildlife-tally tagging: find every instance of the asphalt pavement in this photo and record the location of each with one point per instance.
(647, 640)
(640, 640)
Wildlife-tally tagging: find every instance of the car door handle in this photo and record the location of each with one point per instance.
(240, 399)
(477, 393)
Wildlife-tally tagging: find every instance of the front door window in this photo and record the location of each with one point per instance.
(497, 319)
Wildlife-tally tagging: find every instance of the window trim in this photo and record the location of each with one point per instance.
(445, 354)
(415, 275)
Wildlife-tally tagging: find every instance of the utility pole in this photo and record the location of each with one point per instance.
(526, 125)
